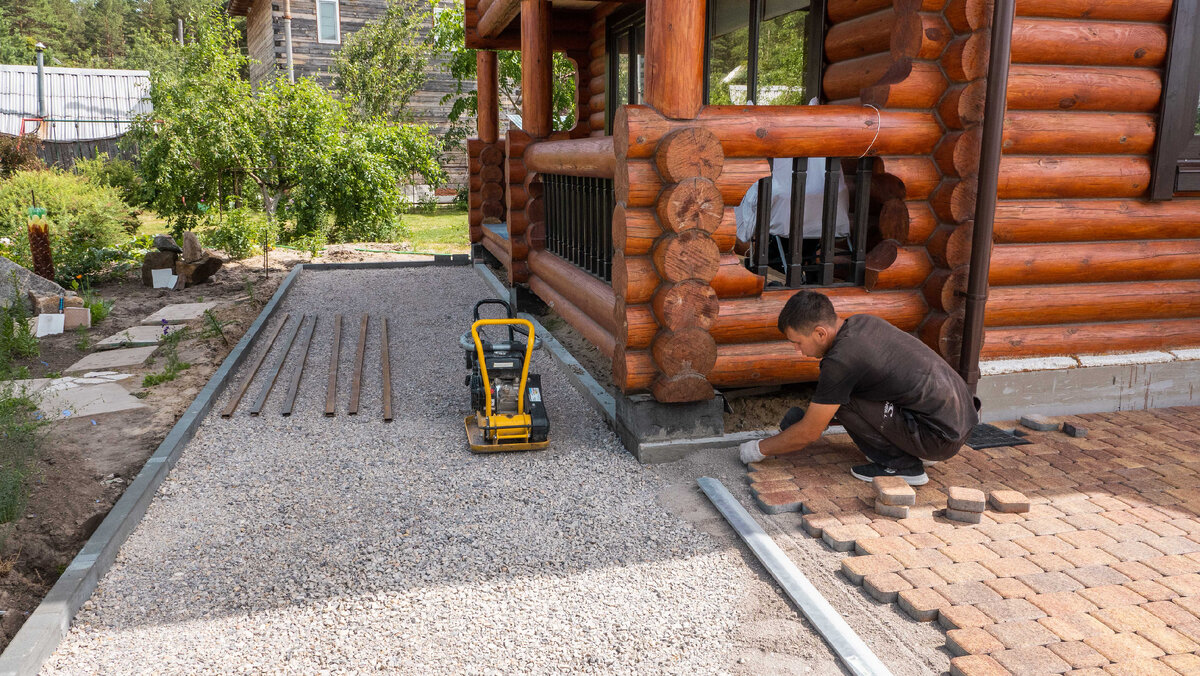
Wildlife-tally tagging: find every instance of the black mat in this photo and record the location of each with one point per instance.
(990, 436)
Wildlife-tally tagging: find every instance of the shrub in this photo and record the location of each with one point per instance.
(116, 173)
(19, 443)
(235, 234)
(19, 153)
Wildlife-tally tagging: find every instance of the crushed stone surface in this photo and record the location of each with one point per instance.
(312, 545)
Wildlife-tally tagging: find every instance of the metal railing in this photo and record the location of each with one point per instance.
(579, 212)
(827, 265)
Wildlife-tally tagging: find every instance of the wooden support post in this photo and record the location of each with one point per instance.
(289, 399)
(487, 86)
(266, 390)
(356, 385)
(237, 397)
(385, 357)
(334, 356)
(536, 64)
(675, 57)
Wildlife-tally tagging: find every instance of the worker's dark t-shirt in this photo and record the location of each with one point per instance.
(872, 360)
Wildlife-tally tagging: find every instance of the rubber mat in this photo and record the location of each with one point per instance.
(990, 436)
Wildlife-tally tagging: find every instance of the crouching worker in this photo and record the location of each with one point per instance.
(901, 404)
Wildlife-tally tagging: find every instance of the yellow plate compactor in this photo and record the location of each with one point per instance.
(506, 397)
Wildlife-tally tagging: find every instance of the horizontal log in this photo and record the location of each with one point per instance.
(1089, 262)
(846, 10)
(1087, 220)
(863, 36)
(943, 154)
(598, 120)
(891, 266)
(634, 278)
(491, 192)
(597, 104)
(906, 222)
(933, 36)
(908, 84)
(733, 280)
(849, 78)
(1041, 133)
(637, 326)
(633, 370)
(1088, 43)
(948, 107)
(976, 14)
(688, 304)
(490, 174)
(786, 131)
(577, 157)
(1115, 90)
(636, 229)
(749, 320)
(500, 251)
(918, 175)
(743, 365)
(1075, 303)
(690, 254)
(1091, 338)
(958, 59)
(591, 295)
(579, 320)
(493, 210)
(692, 204)
(1024, 177)
(495, 15)
(640, 185)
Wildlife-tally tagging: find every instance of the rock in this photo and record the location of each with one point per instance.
(201, 270)
(192, 251)
(49, 304)
(26, 282)
(77, 317)
(157, 260)
(166, 243)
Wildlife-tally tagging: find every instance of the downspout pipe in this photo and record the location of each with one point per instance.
(287, 40)
(41, 81)
(989, 178)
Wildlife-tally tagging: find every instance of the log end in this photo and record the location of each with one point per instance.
(682, 389)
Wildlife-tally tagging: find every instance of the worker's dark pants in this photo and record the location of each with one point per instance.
(886, 434)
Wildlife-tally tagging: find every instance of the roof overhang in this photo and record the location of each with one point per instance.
(238, 7)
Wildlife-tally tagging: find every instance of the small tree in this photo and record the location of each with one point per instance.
(383, 64)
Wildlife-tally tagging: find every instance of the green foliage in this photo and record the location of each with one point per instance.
(382, 65)
(83, 341)
(214, 327)
(169, 346)
(19, 153)
(20, 440)
(99, 308)
(117, 173)
(781, 62)
(16, 337)
(235, 234)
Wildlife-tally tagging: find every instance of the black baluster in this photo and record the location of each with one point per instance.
(862, 206)
(762, 242)
(609, 207)
(795, 268)
(833, 174)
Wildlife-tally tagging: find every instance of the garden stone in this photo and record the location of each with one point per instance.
(157, 260)
(166, 243)
(26, 282)
(49, 304)
(195, 273)
(192, 251)
(134, 356)
(134, 336)
(179, 313)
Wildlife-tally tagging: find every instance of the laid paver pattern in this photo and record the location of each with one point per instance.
(1100, 575)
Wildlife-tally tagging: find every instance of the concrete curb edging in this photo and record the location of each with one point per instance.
(46, 626)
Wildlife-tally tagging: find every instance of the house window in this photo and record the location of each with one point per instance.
(1177, 155)
(764, 51)
(329, 29)
(626, 61)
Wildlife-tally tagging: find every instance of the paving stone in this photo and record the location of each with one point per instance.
(1010, 610)
(892, 511)
(856, 567)
(1078, 654)
(1135, 570)
(1043, 544)
(1184, 664)
(1124, 647)
(924, 540)
(1088, 556)
(1131, 551)
(134, 336)
(1173, 544)
(1170, 613)
(1047, 526)
(1002, 531)
(179, 313)
(1009, 588)
(763, 487)
(1111, 596)
(1021, 634)
(1142, 667)
(970, 552)
(894, 490)
(842, 538)
(1173, 564)
(965, 499)
(112, 359)
(969, 571)
(1051, 563)
(922, 558)
(1011, 566)
(884, 587)
(921, 604)
(1034, 660)
(1061, 603)
(887, 544)
(972, 641)
(1168, 640)
(921, 577)
(967, 593)
(1075, 627)
(1088, 522)
(1190, 604)
(1151, 590)
(1097, 576)
(962, 617)
(1039, 423)
(965, 517)
(1047, 583)
(1126, 619)
(1007, 501)
(779, 502)
(814, 524)
(977, 665)
(88, 400)
(1073, 430)
(1129, 532)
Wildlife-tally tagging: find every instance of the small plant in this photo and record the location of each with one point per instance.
(100, 308)
(83, 341)
(170, 349)
(248, 287)
(20, 440)
(214, 327)
(16, 337)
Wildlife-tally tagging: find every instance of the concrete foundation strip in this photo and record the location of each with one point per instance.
(356, 385)
(334, 356)
(385, 357)
(855, 654)
(289, 400)
(274, 373)
(237, 397)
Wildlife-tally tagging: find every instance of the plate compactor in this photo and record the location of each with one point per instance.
(506, 397)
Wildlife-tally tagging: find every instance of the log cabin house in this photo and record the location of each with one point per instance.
(628, 225)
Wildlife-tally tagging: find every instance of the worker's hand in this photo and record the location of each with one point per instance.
(749, 452)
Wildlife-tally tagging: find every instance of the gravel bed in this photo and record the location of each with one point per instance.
(308, 544)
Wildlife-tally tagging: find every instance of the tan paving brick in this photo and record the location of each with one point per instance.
(1097, 576)
(1035, 660)
(972, 641)
(1061, 603)
(965, 499)
(1089, 556)
(921, 604)
(1173, 564)
(1005, 548)
(1086, 538)
(968, 552)
(887, 528)
(882, 545)
(1182, 585)
(1111, 596)
(1189, 629)
(1135, 570)
(1021, 634)
(962, 536)
(1011, 566)
(1128, 532)
(815, 523)
(970, 571)
(894, 491)
(977, 665)
(922, 558)
(1125, 619)
(883, 587)
(1169, 640)
(926, 541)
(1088, 522)
(1008, 501)
(1184, 664)
(1042, 544)
(1003, 531)
(1078, 654)
(1164, 528)
(855, 567)
(1046, 583)
(1010, 588)
(1075, 627)
(1010, 610)
(962, 617)
(1142, 667)
(1047, 526)
(1174, 544)
(1051, 563)
(1168, 612)
(966, 593)
(842, 538)
(921, 577)
(1151, 590)
(1124, 647)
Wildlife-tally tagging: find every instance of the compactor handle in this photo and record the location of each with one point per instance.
(512, 336)
(479, 323)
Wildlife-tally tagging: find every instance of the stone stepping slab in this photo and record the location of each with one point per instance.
(179, 313)
(88, 400)
(134, 336)
(112, 359)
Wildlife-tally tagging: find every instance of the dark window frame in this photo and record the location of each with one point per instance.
(1176, 161)
(814, 38)
(622, 26)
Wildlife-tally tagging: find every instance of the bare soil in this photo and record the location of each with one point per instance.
(86, 463)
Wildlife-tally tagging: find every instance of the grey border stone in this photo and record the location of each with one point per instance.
(50, 621)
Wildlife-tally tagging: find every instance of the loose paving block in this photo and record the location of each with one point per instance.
(962, 617)
(1038, 423)
(1124, 647)
(893, 511)
(134, 336)
(779, 502)
(112, 359)
(842, 538)
(921, 604)
(815, 524)
(1078, 654)
(1012, 502)
(856, 567)
(977, 665)
(179, 313)
(966, 499)
(884, 587)
(1036, 660)
(965, 517)
(972, 641)
(893, 490)
(1073, 430)
(75, 317)
(1021, 634)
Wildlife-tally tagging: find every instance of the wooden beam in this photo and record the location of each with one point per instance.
(569, 33)
(385, 357)
(289, 400)
(334, 357)
(495, 15)
(675, 57)
(536, 68)
(356, 385)
(237, 397)
(266, 390)
(573, 157)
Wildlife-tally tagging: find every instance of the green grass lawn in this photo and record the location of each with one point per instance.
(442, 232)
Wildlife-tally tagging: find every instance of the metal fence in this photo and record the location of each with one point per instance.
(579, 212)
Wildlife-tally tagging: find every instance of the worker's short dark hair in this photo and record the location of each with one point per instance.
(805, 311)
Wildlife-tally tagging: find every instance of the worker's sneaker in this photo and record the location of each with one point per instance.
(914, 477)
